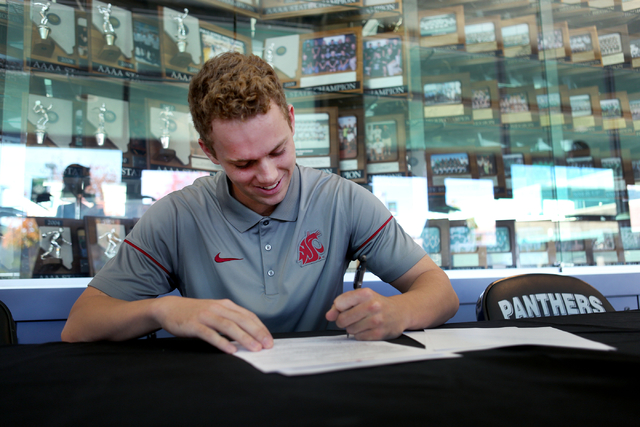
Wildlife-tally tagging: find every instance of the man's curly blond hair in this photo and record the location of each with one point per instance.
(233, 86)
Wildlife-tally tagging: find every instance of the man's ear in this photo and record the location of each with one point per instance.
(206, 151)
(292, 116)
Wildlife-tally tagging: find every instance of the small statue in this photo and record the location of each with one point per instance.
(112, 242)
(55, 243)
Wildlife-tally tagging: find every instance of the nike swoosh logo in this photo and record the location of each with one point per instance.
(218, 259)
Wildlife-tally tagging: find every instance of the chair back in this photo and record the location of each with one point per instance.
(539, 295)
(8, 333)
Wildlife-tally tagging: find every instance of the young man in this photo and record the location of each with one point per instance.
(261, 247)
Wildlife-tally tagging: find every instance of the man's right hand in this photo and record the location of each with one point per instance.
(96, 316)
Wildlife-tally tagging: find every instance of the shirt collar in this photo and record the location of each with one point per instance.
(243, 218)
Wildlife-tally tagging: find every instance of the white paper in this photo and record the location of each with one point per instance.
(471, 339)
(303, 356)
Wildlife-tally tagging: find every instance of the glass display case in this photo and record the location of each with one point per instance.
(499, 133)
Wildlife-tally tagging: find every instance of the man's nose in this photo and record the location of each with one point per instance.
(267, 172)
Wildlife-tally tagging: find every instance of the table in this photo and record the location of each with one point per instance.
(186, 382)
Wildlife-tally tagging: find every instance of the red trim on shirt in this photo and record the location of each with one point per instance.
(373, 235)
(148, 256)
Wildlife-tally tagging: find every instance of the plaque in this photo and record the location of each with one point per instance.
(112, 48)
(442, 27)
(487, 164)
(447, 97)
(173, 139)
(385, 65)
(107, 123)
(249, 8)
(316, 138)
(180, 44)
(554, 43)
(275, 9)
(105, 235)
(52, 35)
(60, 250)
(381, 8)
(330, 61)
(481, 34)
(216, 40)
(634, 109)
(445, 163)
(614, 45)
(507, 161)
(385, 144)
(518, 105)
(615, 111)
(49, 121)
(464, 248)
(519, 36)
(584, 45)
(283, 54)
(535, 243)
(501, 252)
(485, 103)
(605, 248)
(634, 50)
(554, 106)
(585, 108)
(352, 149)
(435, 241)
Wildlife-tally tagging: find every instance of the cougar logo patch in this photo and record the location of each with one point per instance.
(310, 249)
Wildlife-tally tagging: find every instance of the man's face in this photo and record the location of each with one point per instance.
(258, 155)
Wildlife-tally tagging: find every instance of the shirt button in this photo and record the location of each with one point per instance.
(268, 247)
(271, 272)
(265, 223)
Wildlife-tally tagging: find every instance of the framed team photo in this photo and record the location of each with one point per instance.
(553, 106)
(104, 236)
(441, 27)
(111, 39)
(481, 34)
(634, 109)
(519, 36)
(330, 61)
(584, 45)
(614, 45)
(353, 156)
(615, 111)
(385, 65)
(555, 43)
(447, 96)
(435, 241)
(146, 45)
(316, 138)
(585, 108)
(485, 104)
(216, 40)
(385, 144)
(275, 9)
(518, 105)
(634, 51)
(442, 164)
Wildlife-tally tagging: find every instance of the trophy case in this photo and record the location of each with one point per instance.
(507, 129)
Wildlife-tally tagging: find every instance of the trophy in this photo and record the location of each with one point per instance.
(54, 239)
(41, 124)
(166, 154)
(113, 242)
(44, 46)
(268, 54)
(182, 58)
(110, 52)
(101, 133)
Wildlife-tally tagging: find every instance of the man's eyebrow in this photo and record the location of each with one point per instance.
(278, 147)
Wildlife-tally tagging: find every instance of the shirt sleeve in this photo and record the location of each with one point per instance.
(390, 251)
(143, 266)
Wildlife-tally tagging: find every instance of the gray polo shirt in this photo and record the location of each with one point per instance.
(286, 268)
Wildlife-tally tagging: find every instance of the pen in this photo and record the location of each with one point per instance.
(357, 279)
(362, 267)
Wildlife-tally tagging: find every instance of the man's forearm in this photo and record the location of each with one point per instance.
(97, 316)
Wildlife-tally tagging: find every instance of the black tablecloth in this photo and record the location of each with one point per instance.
(187, 382)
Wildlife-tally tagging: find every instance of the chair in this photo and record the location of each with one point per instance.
(7, 326)
(539, 295)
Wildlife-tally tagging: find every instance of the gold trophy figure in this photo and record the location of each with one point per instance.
(44, 46)
(182, 58)
(41, 124)
(110, 52)
(101, 133)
